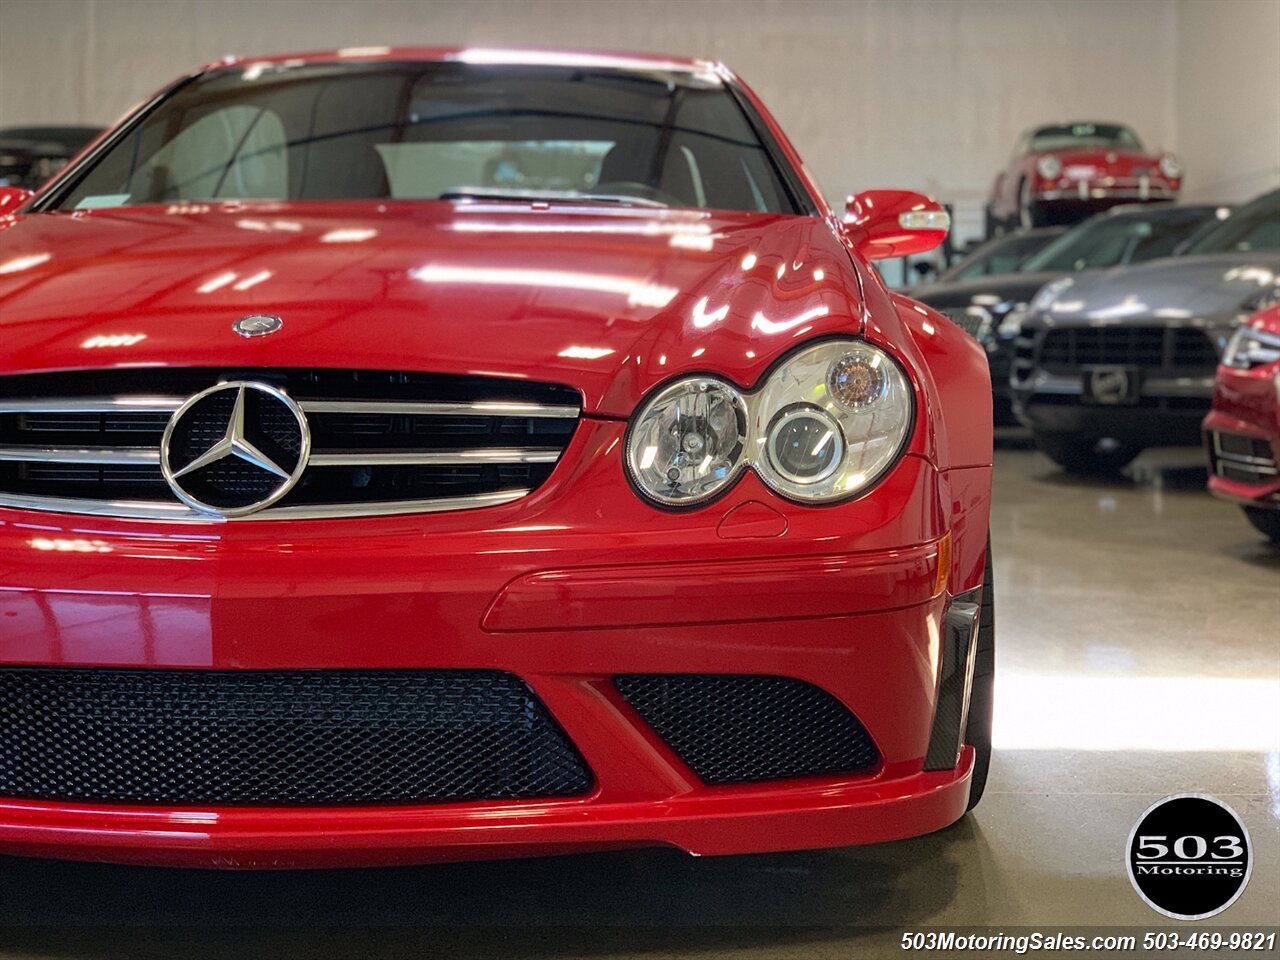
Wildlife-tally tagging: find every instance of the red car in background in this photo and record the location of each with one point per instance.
(1242, 431)
(1065, 172)
(419, 455)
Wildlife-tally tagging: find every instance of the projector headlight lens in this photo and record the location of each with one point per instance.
(804, 445)
(824, 426)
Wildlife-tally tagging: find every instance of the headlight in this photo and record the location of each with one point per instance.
(824, 426)
(1170, 166)
(688, 441)
(1049, 166)
(1011, 325)
(1250, 347)
(1048, 293)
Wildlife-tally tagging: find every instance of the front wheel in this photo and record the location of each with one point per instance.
(1086, 456)
(1266, 522)
(977, 731)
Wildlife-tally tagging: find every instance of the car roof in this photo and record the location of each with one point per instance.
(513, 56)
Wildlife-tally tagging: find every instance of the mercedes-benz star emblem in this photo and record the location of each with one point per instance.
(235, 448)
(259, 325)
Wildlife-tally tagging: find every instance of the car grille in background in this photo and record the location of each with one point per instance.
(735, 728)
(1242, 459)
(382, 442)
(1164, 348)
(279, 738)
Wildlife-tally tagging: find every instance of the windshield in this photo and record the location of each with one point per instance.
(1112, 240)
(425, 130)
(1070, 135)
(1002, 255)
(1255, 226)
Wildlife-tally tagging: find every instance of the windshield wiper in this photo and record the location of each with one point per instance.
(546, 196)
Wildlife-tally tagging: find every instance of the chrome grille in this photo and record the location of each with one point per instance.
(381, 442)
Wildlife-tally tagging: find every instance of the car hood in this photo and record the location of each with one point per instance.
(607, 300)
(1173, 289)
(984, 291)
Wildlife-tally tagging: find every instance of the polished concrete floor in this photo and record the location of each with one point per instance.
(1139, 655)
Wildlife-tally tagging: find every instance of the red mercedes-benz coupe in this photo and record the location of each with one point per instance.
(1065, 172)
(1242, 431)
(412, 455)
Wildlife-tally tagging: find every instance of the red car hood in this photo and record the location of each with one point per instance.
(609, 301)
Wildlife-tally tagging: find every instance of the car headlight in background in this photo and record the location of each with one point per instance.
(1170, 166)
(824, 426)
(1011, 324)
(1049, 167)
(1250, 347)
(1048, 293)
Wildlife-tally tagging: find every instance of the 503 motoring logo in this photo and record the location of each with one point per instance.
(1189, 856)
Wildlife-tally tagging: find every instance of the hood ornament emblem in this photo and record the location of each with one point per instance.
(258, 325)
(235, 448)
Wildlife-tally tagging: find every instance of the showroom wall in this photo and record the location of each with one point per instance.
(923, 93)
(1228, 106)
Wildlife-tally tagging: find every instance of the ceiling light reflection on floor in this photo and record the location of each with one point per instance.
(1075, 712)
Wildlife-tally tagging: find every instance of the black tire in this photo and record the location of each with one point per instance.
(1086, 456)
(1266, 522)
(977, 731)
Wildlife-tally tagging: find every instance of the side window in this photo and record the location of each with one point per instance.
(238, 151)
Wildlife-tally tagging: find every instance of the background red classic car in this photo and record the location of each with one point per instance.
(1063, 172)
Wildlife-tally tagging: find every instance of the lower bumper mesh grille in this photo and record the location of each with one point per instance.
(279, 738)
(736, 728)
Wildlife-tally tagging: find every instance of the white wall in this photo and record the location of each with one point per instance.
(922, 93)
(1228, 96)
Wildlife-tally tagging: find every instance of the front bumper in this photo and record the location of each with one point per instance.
(1108, 190)
(563, 591)
(1168, 411)
(1242, 436)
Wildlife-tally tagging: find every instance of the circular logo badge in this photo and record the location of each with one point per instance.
(258, 325)
(235, 448)
(1189, 856)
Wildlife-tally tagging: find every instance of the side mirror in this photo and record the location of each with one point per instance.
(894, 223)
(11, 198)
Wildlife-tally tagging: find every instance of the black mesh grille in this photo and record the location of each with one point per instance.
(1151, 348)
(732, 728)
(279, 738)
